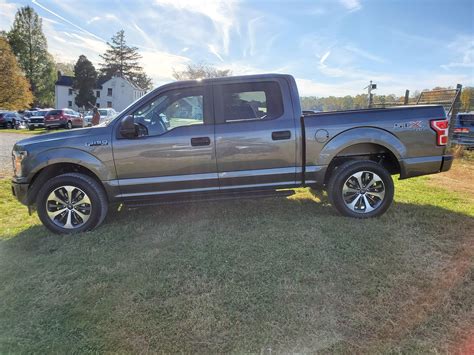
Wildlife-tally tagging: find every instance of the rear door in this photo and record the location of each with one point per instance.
(175, 152)
(255, 135)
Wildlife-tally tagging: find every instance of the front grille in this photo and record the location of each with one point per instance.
(37, 120)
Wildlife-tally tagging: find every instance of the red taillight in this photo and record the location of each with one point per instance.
(441, 128)
(461, 130)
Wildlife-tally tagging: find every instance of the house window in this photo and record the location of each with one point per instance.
(109, 103)
(70, 92)
(109, 92)
(97, 93)
(69, 104)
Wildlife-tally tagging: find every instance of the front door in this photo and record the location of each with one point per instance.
(175, 150)
(255, 135)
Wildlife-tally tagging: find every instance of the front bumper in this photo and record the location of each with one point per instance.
(20, 191)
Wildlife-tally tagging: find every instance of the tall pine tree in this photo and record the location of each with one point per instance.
(85, 78)
(15, 91)
(29, 44)
(121, 59)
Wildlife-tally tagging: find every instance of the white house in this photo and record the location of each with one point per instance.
(116, 92)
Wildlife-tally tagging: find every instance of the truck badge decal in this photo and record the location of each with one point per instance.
(97, 143)
(416, 125)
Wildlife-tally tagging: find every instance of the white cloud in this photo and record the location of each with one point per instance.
(220, 12)
(463, 49)
(364, 54)
(324, 57)
(351, 5)
(7, 14)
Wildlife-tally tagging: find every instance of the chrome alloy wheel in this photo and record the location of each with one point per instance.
(363, 192)
(68, 207)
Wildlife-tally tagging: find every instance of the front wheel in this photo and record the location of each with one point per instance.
(361, 189)
(69, 125)
(71, 203)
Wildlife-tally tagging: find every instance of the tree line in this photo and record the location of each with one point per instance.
(29, 72)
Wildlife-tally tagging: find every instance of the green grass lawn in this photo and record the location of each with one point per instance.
(272, 275)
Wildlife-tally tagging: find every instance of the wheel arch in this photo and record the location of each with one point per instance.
(56, 162)
(363, 144)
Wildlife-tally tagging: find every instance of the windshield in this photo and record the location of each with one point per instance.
(103, 112)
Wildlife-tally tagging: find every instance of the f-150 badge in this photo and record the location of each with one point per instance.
(416, 125)
(97, 143)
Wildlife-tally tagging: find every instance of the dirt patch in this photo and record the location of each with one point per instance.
(460, 178)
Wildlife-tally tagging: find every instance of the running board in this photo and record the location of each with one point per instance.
(210, 198)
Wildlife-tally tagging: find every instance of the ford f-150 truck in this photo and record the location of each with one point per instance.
(225, 138)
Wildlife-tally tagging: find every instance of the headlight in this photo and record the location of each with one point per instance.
(17, 157)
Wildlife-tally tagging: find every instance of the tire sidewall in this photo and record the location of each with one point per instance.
(341, 176)
(64, 180)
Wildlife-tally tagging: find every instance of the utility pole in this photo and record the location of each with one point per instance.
(370, 97)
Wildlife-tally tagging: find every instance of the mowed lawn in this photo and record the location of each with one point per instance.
(261, 276)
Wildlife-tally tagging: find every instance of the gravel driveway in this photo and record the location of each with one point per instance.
(7, 140)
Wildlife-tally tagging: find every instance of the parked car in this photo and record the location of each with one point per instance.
(252, 141)
(8, 119)
(21, 123)
(64, 118)
(106, 114)
(463, 133)
(35, 119)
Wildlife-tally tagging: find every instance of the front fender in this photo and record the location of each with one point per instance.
(357, 136)
(67, 155)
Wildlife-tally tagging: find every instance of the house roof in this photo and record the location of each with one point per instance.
(65, 80)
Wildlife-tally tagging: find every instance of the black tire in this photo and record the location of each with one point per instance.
(95, 192)
(9, 125)
(69, 125)
(342, 177)
(31, 128)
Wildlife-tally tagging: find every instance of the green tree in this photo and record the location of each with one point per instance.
(121, 59)
(15, 91)
(200, 71)
(467, 99)
(85, 79)
(29, 44)
(66, 68)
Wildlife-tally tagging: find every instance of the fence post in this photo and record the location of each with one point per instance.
(407, 95)
(454, 110)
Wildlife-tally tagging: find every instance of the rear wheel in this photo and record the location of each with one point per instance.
(9, 125)
(69, 125)
(71, 203)
(361, 189)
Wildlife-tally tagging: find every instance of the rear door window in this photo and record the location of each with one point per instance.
(248, 101)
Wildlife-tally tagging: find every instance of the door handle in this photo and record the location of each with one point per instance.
(281, 135)
(200, 141)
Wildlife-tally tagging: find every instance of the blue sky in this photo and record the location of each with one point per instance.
(331, 47)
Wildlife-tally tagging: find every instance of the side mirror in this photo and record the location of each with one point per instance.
(127, 127)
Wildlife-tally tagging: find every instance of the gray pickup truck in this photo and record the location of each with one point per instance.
(225, 138)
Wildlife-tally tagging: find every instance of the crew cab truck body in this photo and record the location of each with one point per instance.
(226, 137)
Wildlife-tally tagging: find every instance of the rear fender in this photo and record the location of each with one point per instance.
(357, 136)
